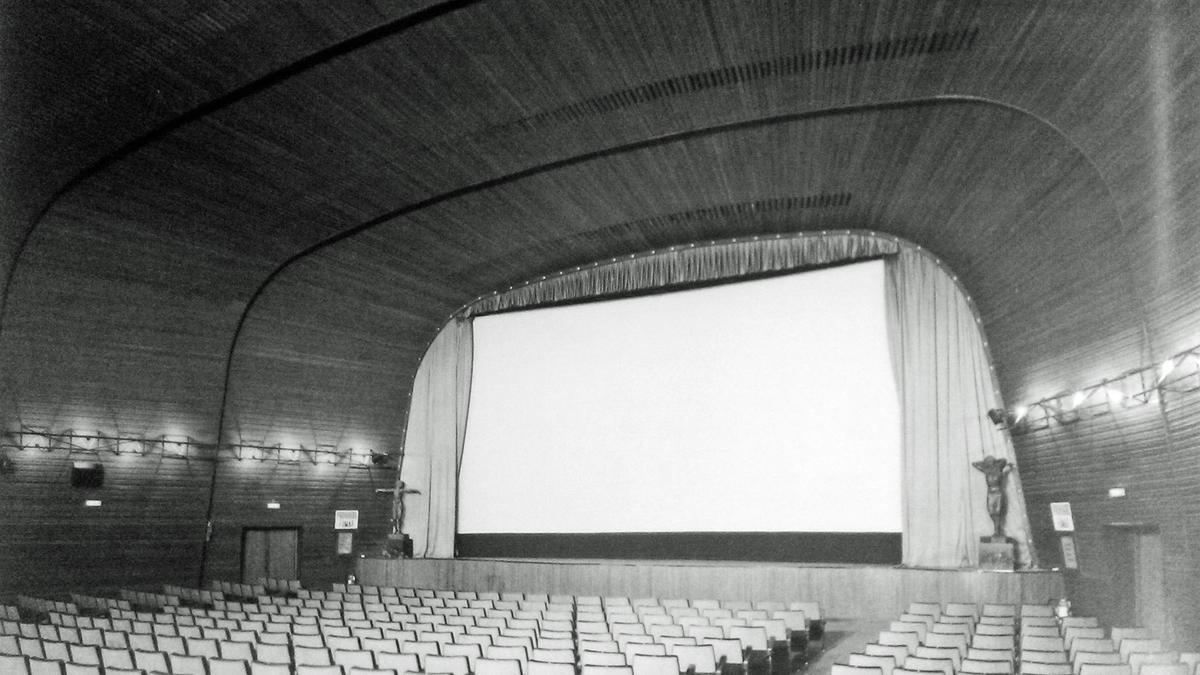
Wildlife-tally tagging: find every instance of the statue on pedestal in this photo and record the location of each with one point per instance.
(398, 494)
(994, 470)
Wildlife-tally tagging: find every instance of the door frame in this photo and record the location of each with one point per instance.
(248, 528)
(1141, 614)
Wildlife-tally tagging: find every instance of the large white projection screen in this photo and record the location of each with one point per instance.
(757, 406)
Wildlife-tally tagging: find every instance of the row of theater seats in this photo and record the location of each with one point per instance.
(1004, 639)
(430, 633)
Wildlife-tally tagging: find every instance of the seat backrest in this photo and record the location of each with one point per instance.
(994, 641)
(1128, 646)
(655, 665)
(508, 653)
(84, 654)
(648, 649)
(1073, 633)
(56, 650)
(206, 647)
(1044, 656)
(40, 666)
(752, 637)
(314, 669)
(220, 666)
(1037, 610)
(451, 665)
(1042, 643)
(951, 653)
(1139, 659)
(183, 664)
(945, 666)
(14, 664)
(551, 668)
(1098, 658)
(592, 658)
(311, 656)
(230, 649)
(930, 609)
(1105, 669)
(1050, 631)
(908, 640)
(961, 609)
(551, 655)
(1038, 668)
(999, 610)
(957, 642)
(982, 654)
(920, 629)
(811, 609)
(399, 662)
(490, 666)
(884, 663)
(1164, 669)
(699, 658)
(1192, 659)
(726, 650)
(898, 652)
(845, 669)
(986, 667)
(353, 658)
(1082, 644)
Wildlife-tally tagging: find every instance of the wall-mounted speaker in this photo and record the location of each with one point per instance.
(87, 475)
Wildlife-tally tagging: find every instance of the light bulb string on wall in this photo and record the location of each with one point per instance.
(183, 447)
(1178, 374)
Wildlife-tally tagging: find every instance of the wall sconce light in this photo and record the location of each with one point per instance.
(175, 446)
(34, 438)
(326, 454)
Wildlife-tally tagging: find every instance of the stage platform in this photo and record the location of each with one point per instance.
(844, 591)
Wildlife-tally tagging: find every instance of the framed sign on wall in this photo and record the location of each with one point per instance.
(345, 520)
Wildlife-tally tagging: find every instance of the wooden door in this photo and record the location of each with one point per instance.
(271, 553)
(1136, 580)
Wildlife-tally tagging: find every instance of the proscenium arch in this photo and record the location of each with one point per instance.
(582, 159)
(731, 260)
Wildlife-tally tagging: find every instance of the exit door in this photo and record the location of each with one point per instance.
(1137, 578)
(271, 553)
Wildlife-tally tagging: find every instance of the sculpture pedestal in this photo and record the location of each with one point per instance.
(398, 545)
(997, 553)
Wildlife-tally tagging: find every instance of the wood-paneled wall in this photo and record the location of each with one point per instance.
(148, 530)
(150, 527)
(1148, 450)
(844, 592)
(308, 494)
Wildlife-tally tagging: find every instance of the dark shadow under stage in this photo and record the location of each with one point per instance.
(844, 590)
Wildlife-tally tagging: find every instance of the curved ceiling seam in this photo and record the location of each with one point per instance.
(245, 91)
(582, 158)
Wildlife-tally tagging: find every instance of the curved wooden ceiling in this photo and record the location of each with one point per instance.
(1044, 151)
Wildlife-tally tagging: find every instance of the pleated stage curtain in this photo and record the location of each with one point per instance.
(945, 385)
(940, 359)
(433, 441)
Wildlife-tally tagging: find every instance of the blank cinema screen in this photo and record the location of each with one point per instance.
(765, 406)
